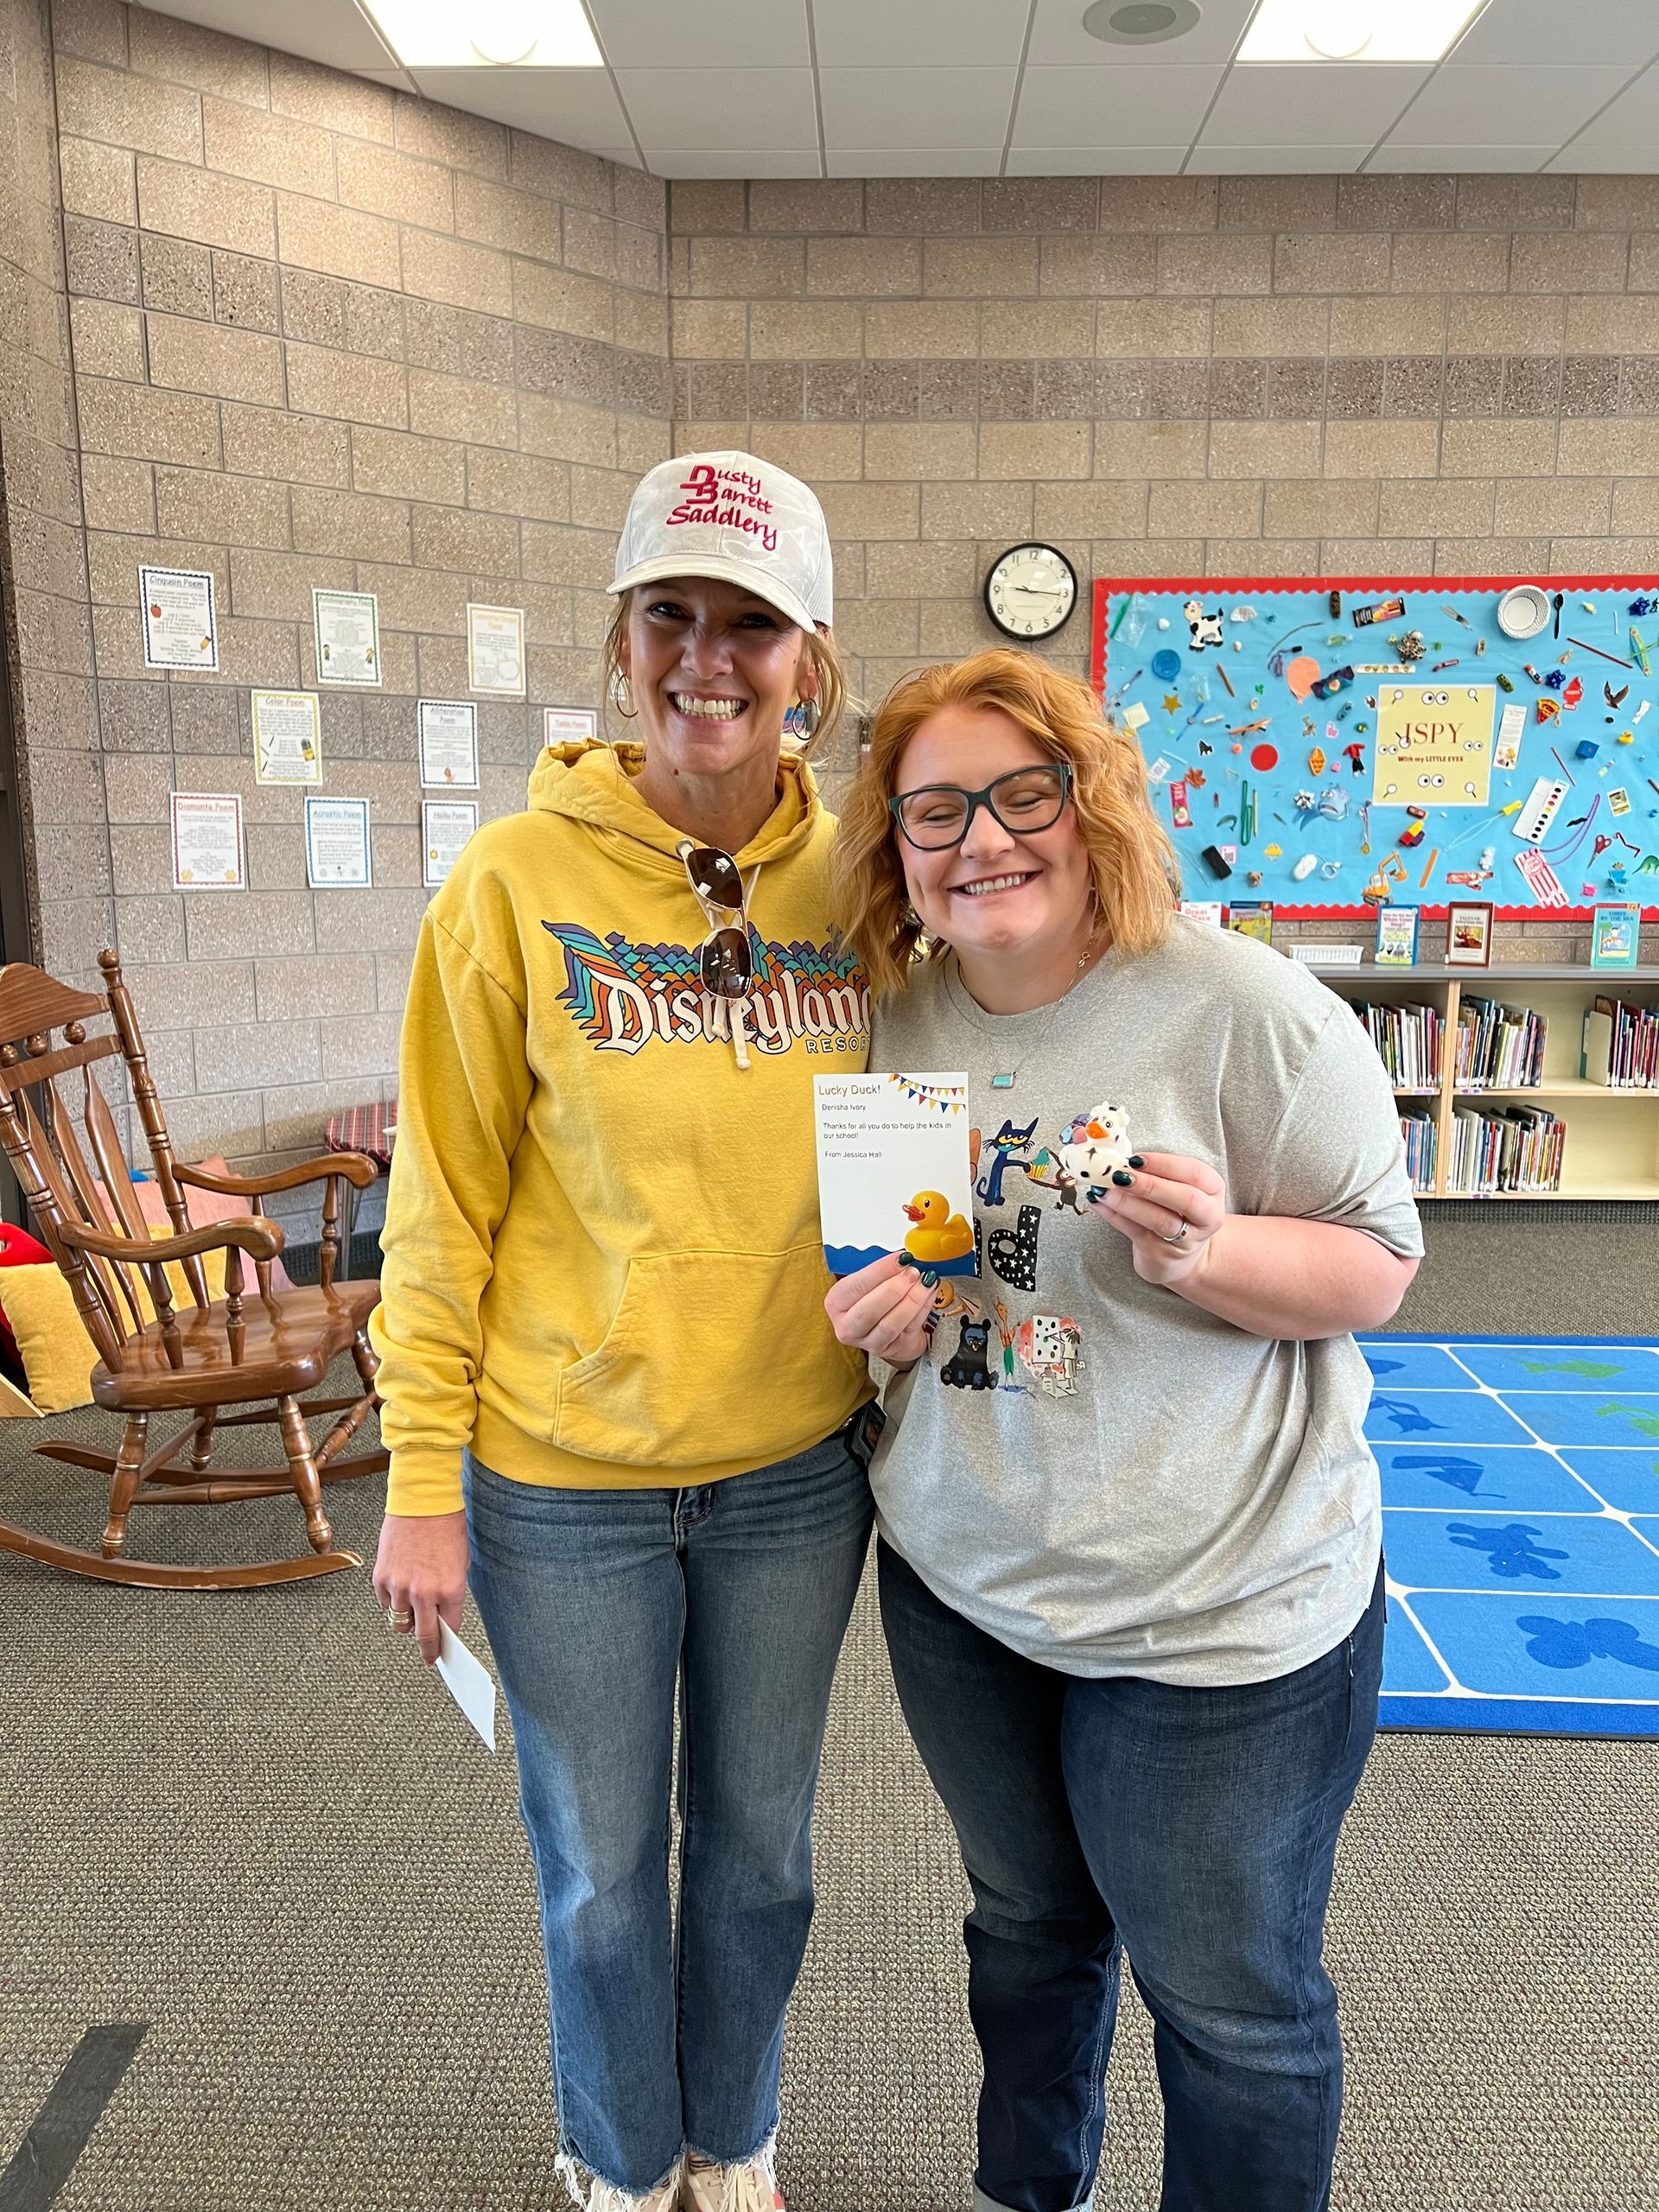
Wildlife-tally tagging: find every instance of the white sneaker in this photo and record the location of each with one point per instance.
(752, 2187)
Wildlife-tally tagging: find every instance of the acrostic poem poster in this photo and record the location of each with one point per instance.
(337, 844)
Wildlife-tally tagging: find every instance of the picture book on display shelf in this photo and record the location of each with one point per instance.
(1329, 747)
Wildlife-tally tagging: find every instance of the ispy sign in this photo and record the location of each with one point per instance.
(1433, 744)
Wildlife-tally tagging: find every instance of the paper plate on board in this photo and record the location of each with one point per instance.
(1524, 612)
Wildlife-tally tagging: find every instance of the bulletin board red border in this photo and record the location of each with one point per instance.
(1263, 586)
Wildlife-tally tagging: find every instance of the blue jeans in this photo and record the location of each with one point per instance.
(596, 1603)
(1195, 1828)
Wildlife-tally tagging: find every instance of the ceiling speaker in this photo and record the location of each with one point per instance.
(1139, 23)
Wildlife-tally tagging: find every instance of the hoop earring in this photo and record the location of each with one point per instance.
(622, 697)
(810, 718)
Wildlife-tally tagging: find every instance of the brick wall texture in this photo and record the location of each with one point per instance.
(43, 581)
(1170, 376)
(303, 331)
(296, 328)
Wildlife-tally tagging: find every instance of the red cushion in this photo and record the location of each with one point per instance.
(19, 1250)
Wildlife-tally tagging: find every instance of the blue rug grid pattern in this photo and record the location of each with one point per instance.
(1520, 1529)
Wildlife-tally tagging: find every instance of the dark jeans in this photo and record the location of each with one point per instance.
(1195, 1828)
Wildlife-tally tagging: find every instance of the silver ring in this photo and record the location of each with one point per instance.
(1180, 1237)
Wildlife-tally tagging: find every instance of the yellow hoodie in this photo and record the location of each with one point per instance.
(602, 1262)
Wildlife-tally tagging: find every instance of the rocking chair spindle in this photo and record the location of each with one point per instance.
(196, 1359)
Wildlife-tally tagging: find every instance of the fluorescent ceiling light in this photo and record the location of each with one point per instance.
(1356, 30)
(487, 34)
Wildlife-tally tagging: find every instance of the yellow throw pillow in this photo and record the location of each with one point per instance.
(57, 1353)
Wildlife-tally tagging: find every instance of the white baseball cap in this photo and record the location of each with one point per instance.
(730, 516)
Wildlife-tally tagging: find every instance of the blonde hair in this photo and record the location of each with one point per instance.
(1137, 879)
(831, 696)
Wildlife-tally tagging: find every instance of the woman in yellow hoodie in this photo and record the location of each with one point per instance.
(610, 1385)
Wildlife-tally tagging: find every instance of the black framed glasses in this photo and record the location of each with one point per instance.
(725, 958)
(937, 816)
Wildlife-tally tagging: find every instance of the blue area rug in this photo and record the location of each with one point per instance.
(1521, 1527)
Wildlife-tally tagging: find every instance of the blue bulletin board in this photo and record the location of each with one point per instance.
(1336, 745)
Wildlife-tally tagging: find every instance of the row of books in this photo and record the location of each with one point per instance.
(1499, 1047)
(1420, 1133)
(1500, 1148)
(1407, 1038)
(1621, 1045)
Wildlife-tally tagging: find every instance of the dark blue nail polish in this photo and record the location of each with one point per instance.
(1122, 1180)
(1135, 1160)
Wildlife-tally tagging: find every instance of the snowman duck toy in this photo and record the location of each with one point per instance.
(1094, 1145)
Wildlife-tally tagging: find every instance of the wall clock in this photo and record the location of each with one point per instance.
(1030, 591)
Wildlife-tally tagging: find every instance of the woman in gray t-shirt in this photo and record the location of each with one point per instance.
(1130, 1556)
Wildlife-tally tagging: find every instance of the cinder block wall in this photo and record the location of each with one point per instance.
(43, 587)
(318, 333)
(1168, 376)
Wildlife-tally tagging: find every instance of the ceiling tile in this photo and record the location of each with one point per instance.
(1339, 102)
(721, 107)
(916, 107)
(1276, 160)
(1057, 36)
(915, 34)
(578, 105)
(927, 161)
(1542, 30)
(1623, 136)
(758, 160)
(1472, 161)
(333, 31)
(703, 33)
(1121, 107)
(1096, 161)
(1478, 105)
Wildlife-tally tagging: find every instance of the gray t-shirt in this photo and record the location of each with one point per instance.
(1095, 1472)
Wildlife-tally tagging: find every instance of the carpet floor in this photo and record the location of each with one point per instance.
(251, 1822)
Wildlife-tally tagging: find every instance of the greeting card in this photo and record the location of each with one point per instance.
(893, 1173)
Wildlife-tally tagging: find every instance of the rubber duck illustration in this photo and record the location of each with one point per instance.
(938, 1234)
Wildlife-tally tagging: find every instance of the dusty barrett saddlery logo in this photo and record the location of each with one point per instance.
(623, 994)
(729, 498)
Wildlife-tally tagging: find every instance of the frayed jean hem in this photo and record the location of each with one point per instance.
(581, 2180)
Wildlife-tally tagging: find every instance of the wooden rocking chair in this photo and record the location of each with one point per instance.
(274, 1345)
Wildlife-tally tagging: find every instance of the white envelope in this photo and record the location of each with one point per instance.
(469, 1681)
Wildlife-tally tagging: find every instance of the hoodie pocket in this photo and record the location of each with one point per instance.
(710, 1356)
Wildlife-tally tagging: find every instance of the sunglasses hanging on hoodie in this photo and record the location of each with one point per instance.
(725, 958)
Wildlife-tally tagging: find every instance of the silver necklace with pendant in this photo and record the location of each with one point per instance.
(1007, 1080)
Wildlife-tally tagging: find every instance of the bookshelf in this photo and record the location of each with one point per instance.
(1611, 1147)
